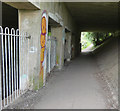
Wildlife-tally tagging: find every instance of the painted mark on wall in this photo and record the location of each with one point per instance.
(43, 37)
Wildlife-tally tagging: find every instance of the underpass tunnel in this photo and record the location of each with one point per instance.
(102, 17)
(99, 36)
(75, 40)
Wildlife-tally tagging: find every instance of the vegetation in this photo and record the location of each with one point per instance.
(95, 38)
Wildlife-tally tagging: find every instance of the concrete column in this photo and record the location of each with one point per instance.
(68, 46)
(77, 44)
(30, 22)
(59, 33)
(73, 46)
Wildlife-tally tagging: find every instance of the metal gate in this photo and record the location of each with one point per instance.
(51, 53)
(12, 47)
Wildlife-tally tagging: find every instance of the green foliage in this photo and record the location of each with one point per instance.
(85, 45)
(95, 38)
(86, 40)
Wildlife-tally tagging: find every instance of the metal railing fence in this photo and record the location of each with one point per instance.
(14, 49)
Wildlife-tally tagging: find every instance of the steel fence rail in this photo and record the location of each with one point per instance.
(13, 46)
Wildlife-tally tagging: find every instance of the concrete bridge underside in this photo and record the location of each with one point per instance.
(95, 16)
(88, 16)
(70, 87)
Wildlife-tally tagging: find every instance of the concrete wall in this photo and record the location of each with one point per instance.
(30, 21)
(59, 10)
(26, 4)
(29, 16)
(59, 33)
(75, 44)
(67, 46)
(107, 61)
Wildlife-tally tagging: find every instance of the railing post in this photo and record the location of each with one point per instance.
(9, 68)
(12, 69)
(1, 55)
(17, 59)
(14, 62)
(6, 63)
(19, 51)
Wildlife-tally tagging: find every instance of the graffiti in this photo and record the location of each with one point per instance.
(43, 45)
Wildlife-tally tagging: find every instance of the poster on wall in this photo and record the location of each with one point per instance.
(43, 40)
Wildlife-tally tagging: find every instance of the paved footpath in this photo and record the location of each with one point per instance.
(75, 87)
(88, 49)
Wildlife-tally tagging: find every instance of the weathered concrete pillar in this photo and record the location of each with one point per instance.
(68, 46)
(59, 33)
(73, 46)
(30, 22)
(77, 44)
